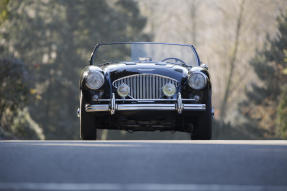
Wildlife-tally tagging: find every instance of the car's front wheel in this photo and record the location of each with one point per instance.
(88, 128)
(203, 128)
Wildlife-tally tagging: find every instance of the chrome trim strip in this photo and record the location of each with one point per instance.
(153, 85)
(113, 104)
(177, 106)
(198, 107)
(78, 112)
(179, 103)
(126, 107)
(138, 86)
(136, 107)
(98, 107)
(134, 87)
(132, 100)
(134, 75)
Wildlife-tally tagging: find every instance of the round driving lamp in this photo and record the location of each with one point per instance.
(123, 90)
(169, 89)
(197, 80)
(94, 79)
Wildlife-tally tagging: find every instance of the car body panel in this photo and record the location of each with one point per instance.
(146, 119)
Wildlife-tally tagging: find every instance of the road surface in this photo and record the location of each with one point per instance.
(143, 165)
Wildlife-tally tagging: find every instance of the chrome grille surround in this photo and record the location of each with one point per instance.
(145, 86)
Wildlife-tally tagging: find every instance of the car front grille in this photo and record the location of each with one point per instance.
(145, 86)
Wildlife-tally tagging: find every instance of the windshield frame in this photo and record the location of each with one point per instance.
(174, 44)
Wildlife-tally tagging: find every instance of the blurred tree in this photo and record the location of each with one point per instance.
(15, 120)
(215, 25)
(282, 116)
(193, 19)
(260, 107)
(13, 89)
(282, 108)
(232, 62)
(54, 39)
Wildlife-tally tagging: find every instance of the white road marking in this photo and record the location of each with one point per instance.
(240, 142)
(83, 145)
(136, 187)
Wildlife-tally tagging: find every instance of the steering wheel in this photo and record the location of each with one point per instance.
(177, 60)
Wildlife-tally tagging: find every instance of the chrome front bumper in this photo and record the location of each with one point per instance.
(113, 106)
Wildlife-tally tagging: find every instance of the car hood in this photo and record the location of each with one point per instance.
(116, 71)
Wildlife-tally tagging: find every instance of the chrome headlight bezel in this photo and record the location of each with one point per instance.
(94, 78)
(193, 80)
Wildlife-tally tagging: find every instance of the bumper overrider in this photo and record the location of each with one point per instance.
(112, 105)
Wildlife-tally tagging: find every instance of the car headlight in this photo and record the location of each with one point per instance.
(197, 80)
(169, 89)
(94, 79)
(123, 90)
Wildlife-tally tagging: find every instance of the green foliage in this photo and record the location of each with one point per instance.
(54, 39)
(269, 64)
(15, 121)
(3, 10)
(24, 127)
(282, 115)
(14, 87)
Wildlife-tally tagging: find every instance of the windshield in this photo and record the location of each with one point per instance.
(145, 52)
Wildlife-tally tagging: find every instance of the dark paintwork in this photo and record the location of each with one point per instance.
(118, 70)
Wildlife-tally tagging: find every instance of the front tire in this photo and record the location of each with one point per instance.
(203, 128)
(88, 128)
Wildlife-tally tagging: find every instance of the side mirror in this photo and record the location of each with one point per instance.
(204, 66)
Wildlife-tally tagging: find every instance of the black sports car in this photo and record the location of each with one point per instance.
(145, 86)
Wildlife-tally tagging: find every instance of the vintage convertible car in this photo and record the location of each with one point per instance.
(145, 86)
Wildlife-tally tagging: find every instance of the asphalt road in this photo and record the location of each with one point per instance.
(143, 165)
